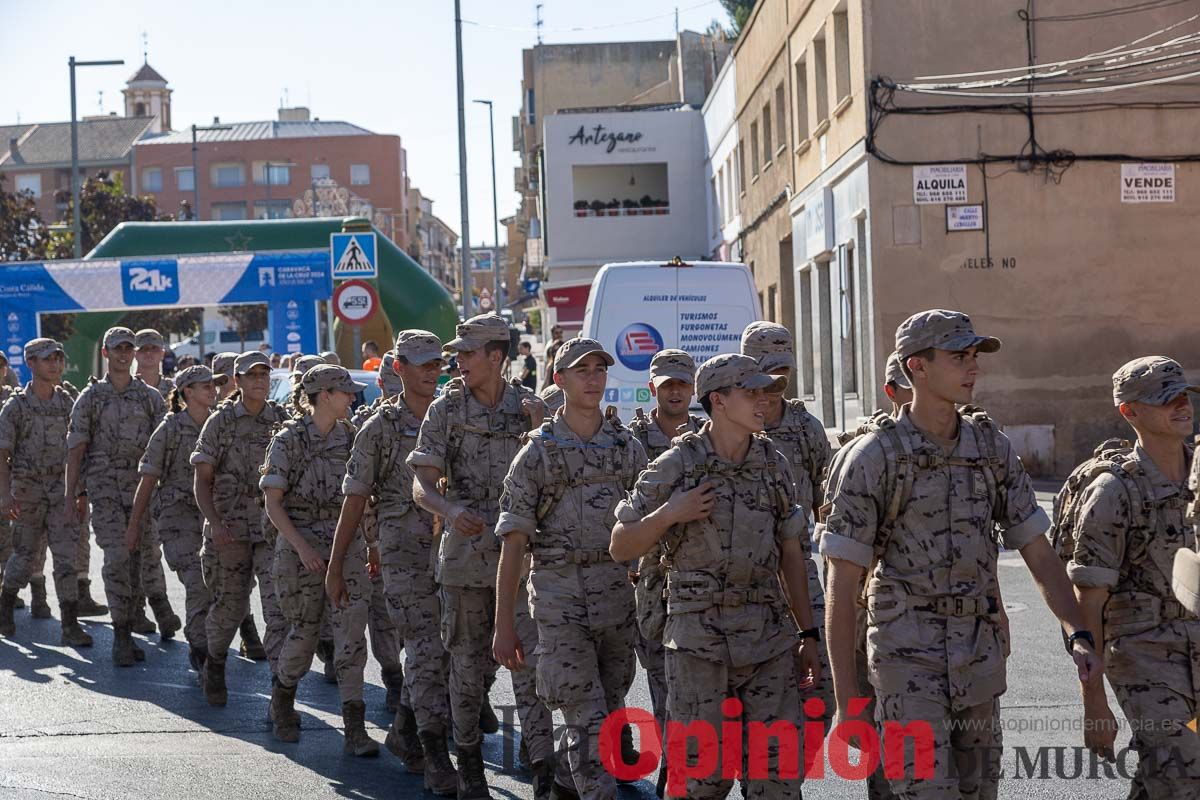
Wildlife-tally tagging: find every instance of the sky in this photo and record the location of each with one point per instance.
(387, 66)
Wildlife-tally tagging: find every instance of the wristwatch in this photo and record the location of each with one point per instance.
(1084, 635)
(811, 633)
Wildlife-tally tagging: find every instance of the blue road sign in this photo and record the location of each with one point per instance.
(352, 255)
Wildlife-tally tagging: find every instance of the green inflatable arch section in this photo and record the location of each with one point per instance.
(409, 296)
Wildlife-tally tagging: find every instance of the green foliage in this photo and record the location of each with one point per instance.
(105, 206)
(23, 236)
(180, 321)
(739, 14)
(245, 319)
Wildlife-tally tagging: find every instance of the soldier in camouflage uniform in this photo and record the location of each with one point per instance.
(1123, 560)
(553, 397)
(470, 435)
(151, 349)
(88, 607)
(559, 499)
(33, 436)
(302, 476)
(227, 458)
(377, 474)
(6, 532)
(801, 437)
(111, 423)
(672, 382)
(168, 476)
(927, 524)
(222, 369)
(720, 507)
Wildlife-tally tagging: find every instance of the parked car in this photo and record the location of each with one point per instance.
(281, 386)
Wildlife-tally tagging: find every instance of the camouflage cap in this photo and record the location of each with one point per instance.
(42, 348)
(770, 345)
(478, 331)
(1185, 579)
(388, 379)
(191, 375)
(330, 357)
(893, 374)
(148, 337)
(119, 335)
(575, 350)
(304, 363)
(418, 346)
(733, 370)
(553, 397)
(247, 361)
(330, 378)
(222, 366)
(941, 330)
(670, 363)
(1154, 380)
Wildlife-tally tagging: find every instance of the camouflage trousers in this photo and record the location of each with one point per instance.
(412, 599)
(768, 693)
(305, 605)
(182, 537)
(127, 574)
(41, 521)
(467, 625)
(1168, 752)
(878, 787)
(83, 554)
(386, 641)
(823, 691)
(652, 656)
(229, 574)
(966, 746)
(585, 673)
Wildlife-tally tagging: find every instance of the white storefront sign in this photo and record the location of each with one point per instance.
(940, 183)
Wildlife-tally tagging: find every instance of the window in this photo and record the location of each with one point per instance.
(772, 300)
(152, 179)
(716, 206)
(228, 175)
(780, 115)
(825, 337)
(841, 54)
(272, 209)
(185, 179)
(801, 100)
(754, 149)
(360, 174)
(320, 172)
(228, 211)
(821, 80)
(807, 346)
(741, 167)
(272, 174)
(768, 150)
(849, 323)
(30, 182)
(530, 116)
(722, 205)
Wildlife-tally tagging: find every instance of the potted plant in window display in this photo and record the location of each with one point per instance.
(660, 207)
(581, 208)
(613, 208)
(597, 207)
(631, 207)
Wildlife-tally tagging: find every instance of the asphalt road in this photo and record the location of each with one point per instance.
(73, 726)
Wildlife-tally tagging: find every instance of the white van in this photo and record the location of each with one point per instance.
(637, 308)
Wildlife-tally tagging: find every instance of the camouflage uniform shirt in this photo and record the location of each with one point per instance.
(34, 432)
(309, 467)
(115, 426)
(168, 458)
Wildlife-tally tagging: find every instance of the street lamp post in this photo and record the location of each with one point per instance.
(196, 212)
(464, 206)
(495, 212)
(76, 223)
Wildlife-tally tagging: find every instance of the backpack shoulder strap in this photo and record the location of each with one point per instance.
(899, 473)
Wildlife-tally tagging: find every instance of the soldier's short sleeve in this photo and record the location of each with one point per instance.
(153, 460)
(362, 468)
(433, 439)
(653, 487)
(854, 508)
(522, 492)
(79, 426)
(1023, 519)
(277, 462)
(1101, 532)
(795, 524)
(9, 423)
(206, 451)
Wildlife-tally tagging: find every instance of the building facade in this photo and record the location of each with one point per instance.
(721, 166)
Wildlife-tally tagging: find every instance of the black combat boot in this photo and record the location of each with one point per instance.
(87, 606)
(393, 679)
(251, 646)
(8, 601)
(358, 743)
(283, 713)
(472, 785)
(168, 621)
(138, 621)
(72, 634)
(39, 608)
(122, 647)
(440, 775)
(213, 681)
(404, 743)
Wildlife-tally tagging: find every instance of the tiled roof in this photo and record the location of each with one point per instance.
(100, 140)
(147, 73)
(250, 131)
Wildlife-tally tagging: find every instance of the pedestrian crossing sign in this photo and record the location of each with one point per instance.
(352, 255)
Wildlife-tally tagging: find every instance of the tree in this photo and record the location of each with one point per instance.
(105, 206)
(23, 235)
(245, 319)
(739, 14)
